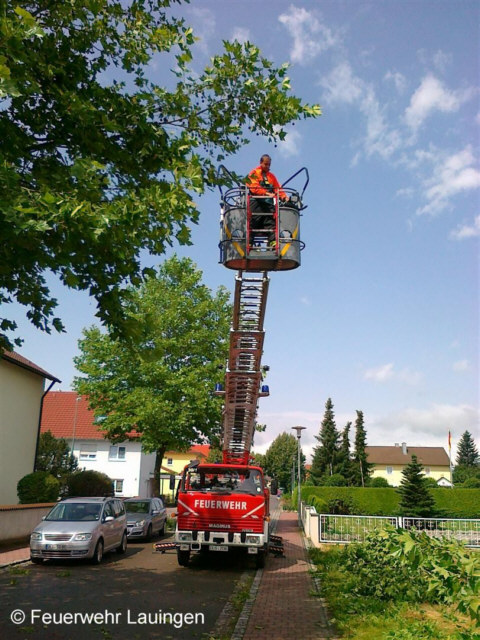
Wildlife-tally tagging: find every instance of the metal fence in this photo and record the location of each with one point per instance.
(346, 529)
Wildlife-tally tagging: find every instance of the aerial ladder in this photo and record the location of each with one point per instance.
(221, 507)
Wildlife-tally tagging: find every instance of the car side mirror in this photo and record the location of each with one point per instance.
(155, 512)
(109, 519)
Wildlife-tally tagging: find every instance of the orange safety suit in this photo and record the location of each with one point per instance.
(263, 183)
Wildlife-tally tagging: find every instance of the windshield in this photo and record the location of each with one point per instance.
(137, 507)
(223, 480)
(75, 511)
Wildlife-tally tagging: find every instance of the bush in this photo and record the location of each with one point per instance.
(379, 483)
(471, 483)
(335, 480)
(449, 503)
(89, 483)
(39, 486)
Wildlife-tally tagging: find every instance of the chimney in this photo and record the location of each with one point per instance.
(404, 448)
(396, 444)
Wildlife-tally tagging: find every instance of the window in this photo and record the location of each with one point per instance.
(88, 452)
(389, 470)
(116, 453)
(118, 486)
(169, 461)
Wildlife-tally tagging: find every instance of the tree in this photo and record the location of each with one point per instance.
(325, 456)
(415, 498)
(97, 161)
(159, 385)
(344, 463)
(89, 483)
(361, 468)
(280, 458)
(54, 456)
(467, 452)
(37, 487)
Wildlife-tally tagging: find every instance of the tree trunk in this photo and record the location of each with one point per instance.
(158, 469)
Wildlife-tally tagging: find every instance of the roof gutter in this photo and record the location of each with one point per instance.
(40, 421)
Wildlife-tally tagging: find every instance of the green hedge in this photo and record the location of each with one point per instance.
(450, 503)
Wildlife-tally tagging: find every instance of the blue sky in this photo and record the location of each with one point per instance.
(383, 315)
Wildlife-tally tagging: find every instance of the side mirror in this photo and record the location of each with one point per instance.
(109, 519)
(155, 512)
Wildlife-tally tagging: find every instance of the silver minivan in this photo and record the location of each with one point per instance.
(78, 528)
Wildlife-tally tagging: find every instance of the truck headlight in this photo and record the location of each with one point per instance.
(83, 536)
(253, 539)
(184, 537)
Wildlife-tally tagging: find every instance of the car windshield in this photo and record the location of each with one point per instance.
(75, 511)
(224, 480)
(137, 507)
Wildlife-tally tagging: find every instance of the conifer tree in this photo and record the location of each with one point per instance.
(467, 453)
(415, 498)
(325, 456)
(361, 468)
(344, 464)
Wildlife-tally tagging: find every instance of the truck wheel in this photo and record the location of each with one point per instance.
(183, 557)
(260, 560)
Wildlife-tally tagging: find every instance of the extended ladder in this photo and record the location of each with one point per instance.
(244, 375)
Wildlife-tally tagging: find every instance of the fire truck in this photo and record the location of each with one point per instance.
(225, 506)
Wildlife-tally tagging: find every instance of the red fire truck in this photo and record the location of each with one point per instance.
(226, 506)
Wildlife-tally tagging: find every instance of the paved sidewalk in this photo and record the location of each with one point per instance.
(285, 607)
(15, 556)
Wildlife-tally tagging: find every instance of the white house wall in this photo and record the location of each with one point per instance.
(20, 398)
(131, 470)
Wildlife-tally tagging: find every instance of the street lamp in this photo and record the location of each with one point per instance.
(77, 400)
(299, 435)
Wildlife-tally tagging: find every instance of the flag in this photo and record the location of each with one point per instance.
(449, 440)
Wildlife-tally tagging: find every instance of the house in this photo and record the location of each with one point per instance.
(22, 391)
(67, 415)
(389, 462)
(174, 462)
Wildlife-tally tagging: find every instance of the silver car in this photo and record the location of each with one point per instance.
(145, 517)
(77, 528)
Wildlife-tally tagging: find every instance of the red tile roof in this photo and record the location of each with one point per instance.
(58, 416)
(16, 358)
(429, 456)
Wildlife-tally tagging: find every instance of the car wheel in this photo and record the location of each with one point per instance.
(161, 532)
(123, 545)
(183, 557)
(36, 560)
(98, 553)
(148, 537)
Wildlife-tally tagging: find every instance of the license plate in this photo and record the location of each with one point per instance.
(55, 547)
(252, 550)
(218, 547)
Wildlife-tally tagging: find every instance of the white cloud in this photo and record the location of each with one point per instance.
(432, 95)
(467, 231)
(380, 374)
(451, 175)
(387, 372)
(398, 80)
(438, 419)
(241, 34)
(343, 87)
(204, 26)
(461, 365)
(290, 146)
(310, 36)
